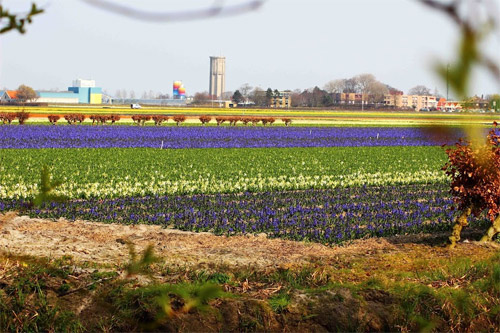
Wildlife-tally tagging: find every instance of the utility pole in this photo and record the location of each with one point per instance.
(447, 81)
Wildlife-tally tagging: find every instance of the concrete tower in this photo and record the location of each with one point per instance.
(217, 76)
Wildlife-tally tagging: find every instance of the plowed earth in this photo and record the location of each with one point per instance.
(107, 244)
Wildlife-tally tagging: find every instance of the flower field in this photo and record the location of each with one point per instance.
(326, 216)
(196, 111)
(214, 137)
(323, 184)
(119, 172)
(299, 117)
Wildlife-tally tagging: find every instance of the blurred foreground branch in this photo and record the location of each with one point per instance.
(216, 10)
(15, 21)
(474, 29)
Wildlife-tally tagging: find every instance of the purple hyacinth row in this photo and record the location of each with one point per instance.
(214, 137)
(326, 216)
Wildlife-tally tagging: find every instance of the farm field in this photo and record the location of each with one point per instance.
(284, 220)
(299, 117)
(221, 137)
(105, 173)
(145, 170)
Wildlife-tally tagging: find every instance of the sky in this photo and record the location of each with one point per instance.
(285, 44)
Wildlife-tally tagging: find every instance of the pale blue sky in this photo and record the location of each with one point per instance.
(286, 44)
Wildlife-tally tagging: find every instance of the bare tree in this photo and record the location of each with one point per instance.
(245, 90)
(364, 80)
(258, 96)
(201, 98)
(420, 90)
(131, 94)
(26, 94)
(363, 84)
(350, 85)
(377, 91)
(227, 95)
(335, 86)
(161, 95)
(297, 98)
(436, 93)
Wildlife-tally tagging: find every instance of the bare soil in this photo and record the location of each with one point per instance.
(107, 244)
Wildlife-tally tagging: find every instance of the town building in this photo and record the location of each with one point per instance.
(217, 77)
(476, 103)
(415, 102)
(282, 100)
(448, 106)
(347, 98)
(351, 98)
(87, 92)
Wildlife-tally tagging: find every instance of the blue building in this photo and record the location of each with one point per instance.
(87, 95)
(81, 92)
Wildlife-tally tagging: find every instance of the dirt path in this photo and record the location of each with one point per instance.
(106, 244)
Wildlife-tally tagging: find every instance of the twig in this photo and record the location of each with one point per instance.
(216, 10)
(85, 286)
(451, 9)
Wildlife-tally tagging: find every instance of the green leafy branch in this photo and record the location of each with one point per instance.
(47, 186)
(171, 299)
(140, 265)
(16, 21)
(182, 298)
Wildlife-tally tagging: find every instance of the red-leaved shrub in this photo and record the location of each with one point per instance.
(474, 170)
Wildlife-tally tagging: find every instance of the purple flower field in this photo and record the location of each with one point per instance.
(40, 136)
(326, 216)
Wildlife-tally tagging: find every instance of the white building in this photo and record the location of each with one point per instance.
(217, 77)
(81, 83)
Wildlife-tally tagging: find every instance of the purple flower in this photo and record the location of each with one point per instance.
(40, 136)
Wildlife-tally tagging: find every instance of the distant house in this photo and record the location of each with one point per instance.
(8, 96)
(476, 103)
(450, 106)
(441, 104)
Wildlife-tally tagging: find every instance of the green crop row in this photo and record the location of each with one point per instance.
(141, 171)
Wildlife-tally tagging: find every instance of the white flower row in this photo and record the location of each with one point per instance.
(122, 187)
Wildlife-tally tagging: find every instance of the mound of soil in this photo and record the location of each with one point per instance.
(107, 244)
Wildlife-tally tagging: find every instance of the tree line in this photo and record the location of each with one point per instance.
(371, 91)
